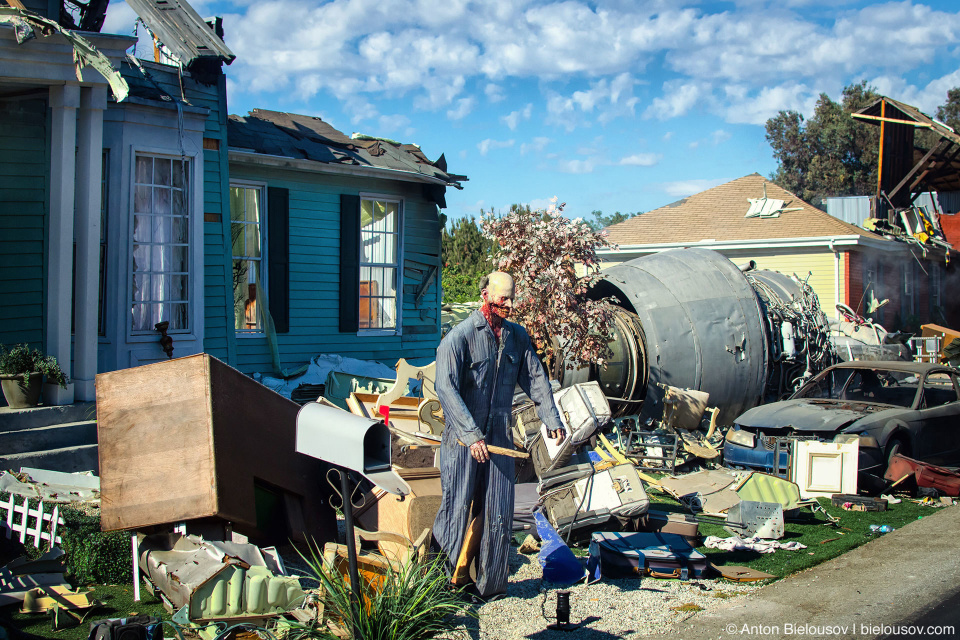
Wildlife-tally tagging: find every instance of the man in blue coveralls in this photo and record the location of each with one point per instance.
(479, 363)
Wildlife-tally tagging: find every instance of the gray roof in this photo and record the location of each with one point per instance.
(290, 135)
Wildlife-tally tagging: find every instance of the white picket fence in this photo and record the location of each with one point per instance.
(44, 525)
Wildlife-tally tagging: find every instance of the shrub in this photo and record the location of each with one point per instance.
(23, 359)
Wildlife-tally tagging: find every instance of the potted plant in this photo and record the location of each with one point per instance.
(21, 375)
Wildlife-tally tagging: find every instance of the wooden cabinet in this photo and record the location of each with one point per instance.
(192, 439)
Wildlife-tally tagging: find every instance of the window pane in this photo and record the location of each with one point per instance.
(390, 248)
(938, 390)
(236, 203)
(179, 175)
(141, 228)
(181, 259)
(177, 315)
(161, 201)
(388, 283)
(144, 170)
(236, 234)
(161, 171)
(253, 240)
(142, 202)
(390, 221)
(366, 214)
(178, 206)
(253, 205)
(181, 230)
(389, 313)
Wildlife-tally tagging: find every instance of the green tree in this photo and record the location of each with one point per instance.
(465, 254)
(949, 112)
(601, 221)
(831, 154)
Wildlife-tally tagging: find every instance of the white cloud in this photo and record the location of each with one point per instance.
(743, 63)
(610, 97)
(488, 144)
(514, 117)
(717, 137)
(463, 108)
(683, 188)
(641, 159)
(494, 92)
(536, 145)
(678, 98)
(578, 166)
(394, 123)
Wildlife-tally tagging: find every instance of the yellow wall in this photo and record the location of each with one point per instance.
(819, 260)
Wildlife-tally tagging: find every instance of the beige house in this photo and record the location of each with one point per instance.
(752, 218)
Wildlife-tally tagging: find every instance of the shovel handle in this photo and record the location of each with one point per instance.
(503, 451)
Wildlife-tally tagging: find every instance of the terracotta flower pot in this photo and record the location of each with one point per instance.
(22, 390)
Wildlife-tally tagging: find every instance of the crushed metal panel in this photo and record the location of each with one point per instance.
(762, 487)
(756, 519)
(181, 29)
(216, 579)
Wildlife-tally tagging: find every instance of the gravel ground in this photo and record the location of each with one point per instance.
(606, 609)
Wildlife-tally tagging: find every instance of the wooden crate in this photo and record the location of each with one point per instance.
(191, 439)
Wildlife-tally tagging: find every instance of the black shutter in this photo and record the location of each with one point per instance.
(278, 254)
(349, 263)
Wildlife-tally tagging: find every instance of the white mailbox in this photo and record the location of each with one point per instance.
(349, 441)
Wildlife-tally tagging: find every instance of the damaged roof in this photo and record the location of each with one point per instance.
(719, 214)
(289, 135)
(181, 29)
(937, 169)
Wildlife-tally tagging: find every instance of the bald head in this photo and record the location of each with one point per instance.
(497, 290)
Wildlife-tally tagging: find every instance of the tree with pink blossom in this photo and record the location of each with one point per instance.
(542, 249)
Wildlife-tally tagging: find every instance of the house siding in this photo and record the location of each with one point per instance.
(314, 218)
(24, 178)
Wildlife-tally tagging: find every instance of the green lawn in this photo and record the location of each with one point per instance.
(823, 540)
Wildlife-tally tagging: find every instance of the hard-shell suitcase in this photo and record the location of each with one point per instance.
(660, 555)
(580, 499)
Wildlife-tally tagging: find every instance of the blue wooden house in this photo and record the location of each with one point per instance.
(262, 240)
(335, 244)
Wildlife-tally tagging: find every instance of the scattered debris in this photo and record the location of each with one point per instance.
(736, 543)
(529, 545)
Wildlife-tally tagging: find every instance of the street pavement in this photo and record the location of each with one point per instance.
(905, 584)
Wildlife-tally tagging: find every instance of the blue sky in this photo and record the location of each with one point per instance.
(613, 105)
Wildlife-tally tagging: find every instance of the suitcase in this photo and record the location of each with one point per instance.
(631, 555)
(579, 499)
(666, 522)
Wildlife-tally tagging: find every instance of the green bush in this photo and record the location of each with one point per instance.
(21, 359)
(91, 555)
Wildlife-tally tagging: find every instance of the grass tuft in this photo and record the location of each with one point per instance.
(414, 602)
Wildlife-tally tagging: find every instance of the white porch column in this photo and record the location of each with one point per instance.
(93, 101)
(64, 100)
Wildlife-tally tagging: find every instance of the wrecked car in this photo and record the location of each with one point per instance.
(894, 407)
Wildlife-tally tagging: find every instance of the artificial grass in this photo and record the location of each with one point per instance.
(823, 540)
(117, 603)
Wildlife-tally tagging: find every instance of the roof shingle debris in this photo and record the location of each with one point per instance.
(718, 214)
(306, 137)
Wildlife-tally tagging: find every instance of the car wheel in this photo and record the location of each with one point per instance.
(895, 446)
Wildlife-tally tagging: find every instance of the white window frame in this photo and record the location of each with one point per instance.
(193, 301)
(397, 330)
(264, 258)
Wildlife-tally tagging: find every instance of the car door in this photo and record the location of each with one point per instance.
(938, 438)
